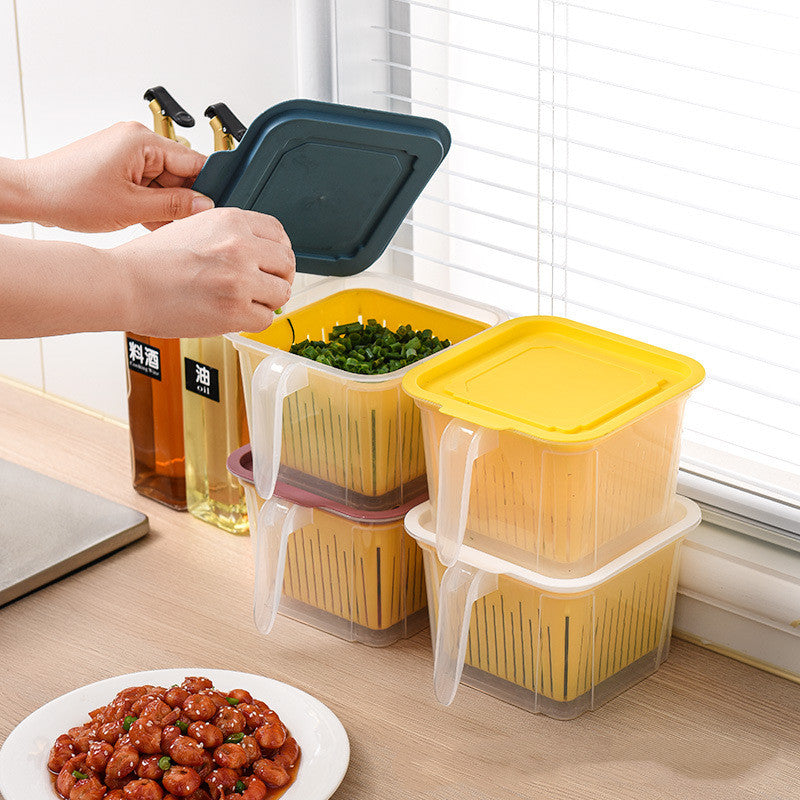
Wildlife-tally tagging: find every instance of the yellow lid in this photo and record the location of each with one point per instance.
(551, 378)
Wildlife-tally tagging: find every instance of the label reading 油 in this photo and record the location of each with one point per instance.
(144, 359)
(201, 379)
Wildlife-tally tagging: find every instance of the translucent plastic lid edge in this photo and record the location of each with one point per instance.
(418, 518)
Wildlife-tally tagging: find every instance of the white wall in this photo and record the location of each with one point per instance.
(85, 65)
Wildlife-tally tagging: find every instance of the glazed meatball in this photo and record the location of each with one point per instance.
(207, 734)
(98, 756)
(149, 768)
(194, 685)
(271, 773)
(271, 735)
(199, 707)
(145, 736)
(181, 781)
(88, 789)
(61, 752)
(175, 696)
(255, 789)
(124, 761)
(231, 756)
(186, 751)
(241, 695)
(288, 754)
(229, 720)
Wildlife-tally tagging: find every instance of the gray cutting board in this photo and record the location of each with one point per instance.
(49, 528)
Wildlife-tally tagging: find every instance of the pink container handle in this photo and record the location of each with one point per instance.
(274, 379)
(461, 586)
(277, 521)
(459, 447)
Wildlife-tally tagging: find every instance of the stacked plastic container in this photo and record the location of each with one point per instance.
(337, 457)
(551, 537)
(337, 461)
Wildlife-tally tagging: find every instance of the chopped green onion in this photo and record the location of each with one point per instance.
(239, 787)
(184, 726)
(127, 722)
(234, 738)
(370, 349)
(164, 763)
(233, 701)
(79, 775)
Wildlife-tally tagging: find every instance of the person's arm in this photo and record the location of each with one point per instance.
(203, 275)
(219, 271)
(110, 180)
(14, 194)
(56, 287)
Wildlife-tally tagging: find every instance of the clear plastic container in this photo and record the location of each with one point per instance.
(551, 645)
(355, 439)
(551, 444)
(357, 575)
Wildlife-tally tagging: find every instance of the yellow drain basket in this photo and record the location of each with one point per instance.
(551, 444)
(353, 439)
(358, 577)
(551, 645)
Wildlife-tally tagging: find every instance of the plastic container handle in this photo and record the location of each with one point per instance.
(459, 447)
(274, 379)
(277, 521)
(461, 586)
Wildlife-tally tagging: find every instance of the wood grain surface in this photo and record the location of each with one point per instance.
(704, 726)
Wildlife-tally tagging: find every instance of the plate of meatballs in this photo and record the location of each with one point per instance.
(177, 733)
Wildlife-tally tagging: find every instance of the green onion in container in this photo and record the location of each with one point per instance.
(371, 349)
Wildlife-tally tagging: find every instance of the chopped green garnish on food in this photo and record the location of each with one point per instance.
(79, 775)
(233, 701)
(239, 787)
(164, 763)
(370, 349)
(127, 722)
(234, 738)
(184, 726)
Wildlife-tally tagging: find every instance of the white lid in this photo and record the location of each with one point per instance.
(684, 516)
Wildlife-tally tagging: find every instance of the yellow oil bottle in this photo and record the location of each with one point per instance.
(214, 420)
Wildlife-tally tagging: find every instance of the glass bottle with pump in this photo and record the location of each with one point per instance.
(214, 420)
(155, 374)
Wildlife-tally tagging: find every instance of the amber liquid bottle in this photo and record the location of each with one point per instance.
(155, 376)
(155, 413)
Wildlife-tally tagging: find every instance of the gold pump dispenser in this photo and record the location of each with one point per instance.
(214, 419)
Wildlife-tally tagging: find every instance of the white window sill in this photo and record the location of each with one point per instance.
(741, 596)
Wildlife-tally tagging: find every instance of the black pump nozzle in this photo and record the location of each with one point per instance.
(231, 124)
(170, 106)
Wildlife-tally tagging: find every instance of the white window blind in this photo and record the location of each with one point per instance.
(631, 165)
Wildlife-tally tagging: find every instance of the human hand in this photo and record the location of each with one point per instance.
(223, 270)
(115, 178)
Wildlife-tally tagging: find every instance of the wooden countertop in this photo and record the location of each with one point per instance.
(703, 726)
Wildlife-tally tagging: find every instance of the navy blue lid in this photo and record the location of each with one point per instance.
(340, 179)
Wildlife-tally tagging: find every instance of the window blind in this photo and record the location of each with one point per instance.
(632, 166)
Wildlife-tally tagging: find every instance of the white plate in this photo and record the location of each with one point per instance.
(325, 749)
